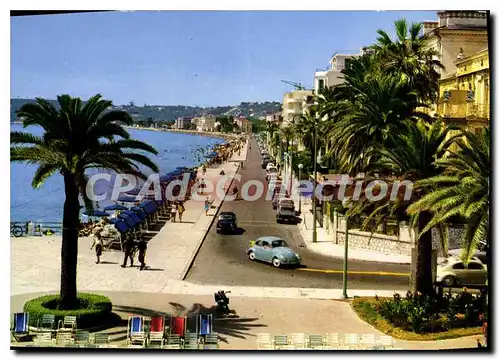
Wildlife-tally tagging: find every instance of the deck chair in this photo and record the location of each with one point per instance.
(351, 340)
(44, 339)
(299, 341)
(178, 326)
(20, 327)
(332, 340)
(67, 324)
(385, 342)
(156, 331)
(46, 323)
(191, 338)
(205, 324)
(264, 342)
(368, 342)
(280, 341)
(102, 340)
(63, 338)
(82, 338)
(136, 334)
(173, 342)
(315, 341)
(211, 347)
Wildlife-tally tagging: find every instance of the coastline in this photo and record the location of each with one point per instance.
(224, 136)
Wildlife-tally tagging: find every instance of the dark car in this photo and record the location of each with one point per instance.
(285, 213)
(226, 223)
(264, 163)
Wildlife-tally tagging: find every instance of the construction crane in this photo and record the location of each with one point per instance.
(298, 86)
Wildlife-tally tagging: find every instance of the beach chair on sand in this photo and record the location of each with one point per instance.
(205, 325)
(368, 342)
(385, 342)
(173, 341)
(136, 334)
(20, 327)
(67, 324)
(332, 340)
(64, 338)
(264, 341)
(280, 342)
(352, 341)
(191, 341)
(44, 339)
(299, 341)
(315, 341)
(46, 323)
(101, 340)
(178, 326)
(211, 342)
(156, 331)
(82, 338)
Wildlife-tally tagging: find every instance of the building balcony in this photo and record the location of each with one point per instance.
(464, 110)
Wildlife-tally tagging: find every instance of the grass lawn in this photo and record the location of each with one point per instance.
(365, 308)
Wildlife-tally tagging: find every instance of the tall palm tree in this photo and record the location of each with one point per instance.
(411, 158)
(463, 189)
(410, 57)
(76, 138)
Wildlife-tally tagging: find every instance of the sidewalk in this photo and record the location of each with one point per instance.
(253, 316)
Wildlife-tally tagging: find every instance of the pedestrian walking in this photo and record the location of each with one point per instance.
(173, 211)
(128, 248)
(180, 210)
(207, 205)
(97, 243)
(142, 247)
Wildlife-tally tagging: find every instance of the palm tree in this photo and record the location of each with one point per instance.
(76, 138)
(410, 57)
(463, 189)
(411, 158)
(375, 114)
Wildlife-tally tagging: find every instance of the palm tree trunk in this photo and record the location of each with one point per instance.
(423, 279)
(69, 247)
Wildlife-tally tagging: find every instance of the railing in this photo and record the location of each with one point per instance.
(463, 110)
(54, 227)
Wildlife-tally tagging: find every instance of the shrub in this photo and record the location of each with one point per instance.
(93, 309)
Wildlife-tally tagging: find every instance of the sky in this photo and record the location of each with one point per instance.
(195, 58)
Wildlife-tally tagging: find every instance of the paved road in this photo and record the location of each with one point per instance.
(222, 259)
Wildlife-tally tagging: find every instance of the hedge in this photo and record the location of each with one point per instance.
(94, 310)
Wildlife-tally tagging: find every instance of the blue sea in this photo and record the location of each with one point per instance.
(45, 204)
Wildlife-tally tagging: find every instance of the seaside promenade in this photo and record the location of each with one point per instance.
(35, 270)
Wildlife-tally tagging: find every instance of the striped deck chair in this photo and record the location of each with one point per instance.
(64, 338)
(156, 331)
(178, 326)
(205, 324)
(280, 341)
(264, 342)
(44, 339)
(351, 340)
(101, 340)
(211, 342)
(385, 342)
(20, 327)
(67, 324)
(173, 342)
(332, 340)
(368, 342)
(299, 341)
(46, 323)
(136, 334)
(315, 341)
(211, 347)
(191, 341)
(82, 338)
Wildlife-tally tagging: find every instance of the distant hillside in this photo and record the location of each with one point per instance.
(170, 112)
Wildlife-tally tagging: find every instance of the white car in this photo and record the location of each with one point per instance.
(269, 166)
(453, 272)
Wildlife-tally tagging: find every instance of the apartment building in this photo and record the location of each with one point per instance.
(294, 105)
(244, 124)
(183, 122)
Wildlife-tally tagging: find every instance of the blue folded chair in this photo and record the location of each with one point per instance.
(136, 331)
(20, 327)
(205, 324)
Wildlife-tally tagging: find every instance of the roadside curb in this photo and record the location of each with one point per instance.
(205, 230)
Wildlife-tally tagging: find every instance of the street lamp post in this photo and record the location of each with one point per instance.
(300, 166)
(346, 251)
(314, 235)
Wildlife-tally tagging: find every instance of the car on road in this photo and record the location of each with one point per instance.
(226, 223)
(454, 272)
(274, 250)
(269, 166)
(480, 252)
(286, 213)
(281, 199)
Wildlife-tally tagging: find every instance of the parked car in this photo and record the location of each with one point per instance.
(226, 222)
(279, 199)
(269, 166)
(480, 253)
(274, 250)
(453, 272)
(285, 213)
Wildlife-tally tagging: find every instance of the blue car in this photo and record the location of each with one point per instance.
(274, 250)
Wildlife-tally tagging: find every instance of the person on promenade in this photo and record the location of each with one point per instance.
(142, 247)
(128, 248)
(180, 210)
(204, 169)
(173, 211)
(97, 243)
(207, 205)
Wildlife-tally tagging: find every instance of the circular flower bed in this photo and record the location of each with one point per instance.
(93, 310)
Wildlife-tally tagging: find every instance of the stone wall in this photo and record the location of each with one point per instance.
(377, 242)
